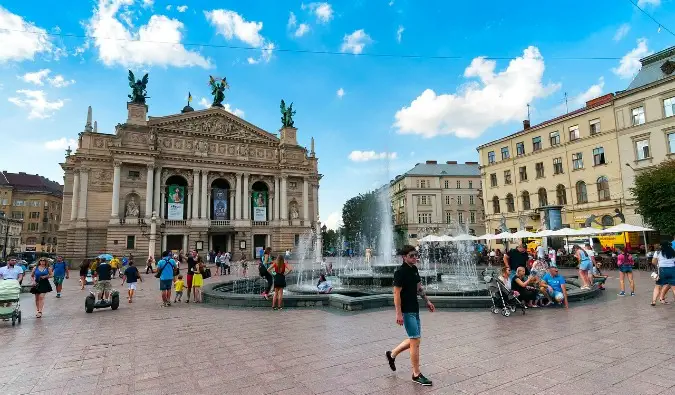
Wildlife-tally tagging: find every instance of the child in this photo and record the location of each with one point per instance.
(598, 277)
(179, 284)
(323, 286)
(131, 275)
(244, 265)
(198, 281)
(280, 269)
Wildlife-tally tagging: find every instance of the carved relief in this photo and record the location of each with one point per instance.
(178, 144)
(138, 138)
(224, 126)
(166, 143)
(98, 143)
(101, 177)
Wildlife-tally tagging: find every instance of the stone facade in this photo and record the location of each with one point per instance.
(116, 196)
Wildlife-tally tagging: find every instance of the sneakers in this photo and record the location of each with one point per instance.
(58, 295)
(392, 361)
(632, 294)
(622, 293)
(421, 380)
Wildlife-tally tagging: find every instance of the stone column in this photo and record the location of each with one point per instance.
(162, 201)
(277, 200)
(190, 203)
(316, 202)
(305, 199)
(84, 185)
(156, 195)
(148, 191)
(237, 210)
(284, 198)
(246, 198)
(205, 194)
(230, 205)
(116, 190)
(272, 208)
(185, 243)
(153, 235)
(163, 246)
(195, 194)
(76, 195)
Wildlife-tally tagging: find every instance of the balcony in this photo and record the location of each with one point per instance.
(220, 223)
(175, 223)
(260, 223)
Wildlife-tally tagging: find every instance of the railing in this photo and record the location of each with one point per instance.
(260, 223)
(215, 222)
(175, 222)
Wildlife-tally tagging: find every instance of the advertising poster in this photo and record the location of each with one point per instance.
(554, 219)
(259, 206)
(219, 204)
(176, 202)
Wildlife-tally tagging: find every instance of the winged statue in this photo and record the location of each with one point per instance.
(218, 86)
(138, 88)
(287, 114)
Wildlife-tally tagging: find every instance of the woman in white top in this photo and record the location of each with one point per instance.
(505, 277)
(665, 259)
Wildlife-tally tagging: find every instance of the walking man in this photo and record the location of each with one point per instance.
(165, 268)
(60, 272)
(407, 286)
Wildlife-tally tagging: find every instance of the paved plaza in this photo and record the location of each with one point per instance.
(610, 345)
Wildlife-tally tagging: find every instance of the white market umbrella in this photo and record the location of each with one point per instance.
(464, 237)
(566, 232)
(626, 228)
(521, 234)
(487, 236)
(430, 239)
(544, 233)
(447, 238)
(590, 231)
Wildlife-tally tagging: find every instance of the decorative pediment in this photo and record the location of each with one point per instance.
(213, 121)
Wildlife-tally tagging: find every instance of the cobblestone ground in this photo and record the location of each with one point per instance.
(612, 345)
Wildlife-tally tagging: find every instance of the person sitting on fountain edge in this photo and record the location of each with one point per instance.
(552, 285)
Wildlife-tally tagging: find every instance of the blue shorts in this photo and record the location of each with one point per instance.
(586, 266)
(412, 325)
(165, 285)
(666, 277)
(626, 269)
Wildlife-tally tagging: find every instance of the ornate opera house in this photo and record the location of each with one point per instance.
(204, 180)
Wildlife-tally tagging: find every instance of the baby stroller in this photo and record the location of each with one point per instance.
(503, 299)
(10, 290)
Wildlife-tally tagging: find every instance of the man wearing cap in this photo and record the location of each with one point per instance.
(61, 272)
(553, 286)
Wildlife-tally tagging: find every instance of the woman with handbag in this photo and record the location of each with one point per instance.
(198, 281)
(263, 269)
(41, 285)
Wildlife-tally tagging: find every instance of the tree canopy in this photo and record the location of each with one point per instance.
(361, 219)
(654, 191)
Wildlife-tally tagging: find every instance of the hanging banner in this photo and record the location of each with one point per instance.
(259, 206)
(176, 202)
(219, 204)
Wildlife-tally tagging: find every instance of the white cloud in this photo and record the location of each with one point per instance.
(365, 156)
(630, 64)
(621, 32)
(21, 39)
(323, 11)
(119, 45)
(391, 3)
(645, 3)
(355, 42)
(204, 103)
(168, 8)
(36, 77)
(334, 220)
(340, 93)
(399, 33)
(37, 102)
(60, 144)
(593, 92)
(292, 20)
(231, 25)
(497, 97)
(181, 8)
(148, 3)
(302, 29)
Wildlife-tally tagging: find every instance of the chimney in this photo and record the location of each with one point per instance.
(526, 124)
(431, 162)
(451, 162)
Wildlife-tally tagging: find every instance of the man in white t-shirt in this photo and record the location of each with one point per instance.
(541, 252)
(11, 271)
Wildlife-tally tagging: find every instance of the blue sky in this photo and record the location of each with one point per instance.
(372, 117)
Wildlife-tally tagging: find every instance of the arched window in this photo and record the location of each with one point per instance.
(543, 197)
(510, 206)
(495, 205)
(31, 240)
(526, 200)
(603, 188)
(561, 194)
(582, 195)
(607, 221)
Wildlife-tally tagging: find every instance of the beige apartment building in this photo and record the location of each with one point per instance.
(585, 160)
(10, 235)
(435, 198)
(205, 180)
(645, 121)
(36, 201)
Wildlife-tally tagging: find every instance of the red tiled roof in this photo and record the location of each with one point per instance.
(31, 183)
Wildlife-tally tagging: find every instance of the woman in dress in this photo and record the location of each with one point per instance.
(665, 260)
(84, 270)
(625, 262)
(41, 285)
(280, 269)
(198, 281)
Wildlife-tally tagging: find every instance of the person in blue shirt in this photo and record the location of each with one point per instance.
(553, 286)
(165, 268)
(60, 268)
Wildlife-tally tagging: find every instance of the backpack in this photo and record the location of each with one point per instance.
(160, 271)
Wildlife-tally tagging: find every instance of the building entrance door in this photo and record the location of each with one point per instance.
(174, 242)
(259, 244)
(220, 242)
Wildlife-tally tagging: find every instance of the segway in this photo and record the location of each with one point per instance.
(90, 303)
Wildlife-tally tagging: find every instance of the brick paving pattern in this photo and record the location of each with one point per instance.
(612, 345)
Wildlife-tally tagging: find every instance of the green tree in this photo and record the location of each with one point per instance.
(361, 219)
(654, 191)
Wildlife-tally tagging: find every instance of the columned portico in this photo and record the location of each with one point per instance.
(305, 199)
(204, 214)
(194, 200)
(156, 194)
(277, 200)
(117, 169)
(237, 211)
(76, 195)
(148, 191)
(246, 197)
(284, 197)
